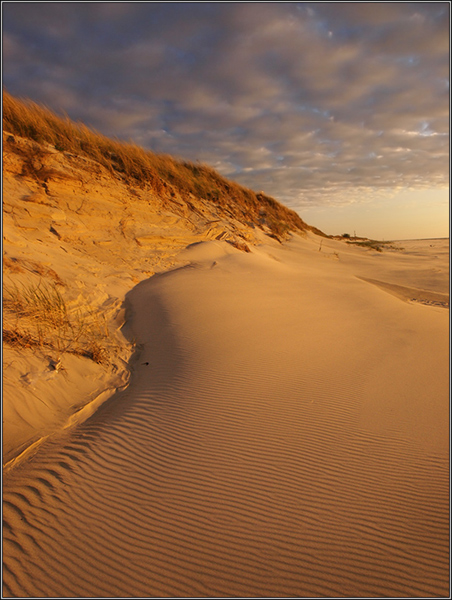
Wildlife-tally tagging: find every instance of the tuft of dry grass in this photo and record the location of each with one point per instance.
(20, 265)
(163, 174)
(370, 244)
(12, 264)
(37, 316)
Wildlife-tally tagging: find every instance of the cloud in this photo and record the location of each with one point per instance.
(311, 102)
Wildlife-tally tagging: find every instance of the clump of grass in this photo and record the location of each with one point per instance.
(375, 245)
(20, 265)
(42, 302)
(12, 264)
(371, 244)
(162, 173)
(37, 316)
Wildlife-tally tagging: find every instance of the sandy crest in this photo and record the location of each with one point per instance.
(95, 237)
(284, 433)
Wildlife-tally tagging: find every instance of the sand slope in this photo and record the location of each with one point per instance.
(284, 433)
(94, 236)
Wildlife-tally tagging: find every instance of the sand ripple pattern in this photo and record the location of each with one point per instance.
(195, 482)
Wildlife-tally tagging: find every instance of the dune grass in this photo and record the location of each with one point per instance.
(37, 316)
(162, 173)
(371, 244)
(374, 245)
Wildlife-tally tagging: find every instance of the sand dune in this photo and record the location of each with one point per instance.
(93, 236)
(284, 433)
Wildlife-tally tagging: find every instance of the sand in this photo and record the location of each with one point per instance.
(94, 237)
(284, 432)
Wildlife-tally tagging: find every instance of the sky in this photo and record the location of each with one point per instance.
(338, 110)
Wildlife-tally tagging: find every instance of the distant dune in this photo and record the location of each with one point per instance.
(206, 397)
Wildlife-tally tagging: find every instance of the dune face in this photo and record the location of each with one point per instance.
(76, 234)
(204, 398)
(284, 433)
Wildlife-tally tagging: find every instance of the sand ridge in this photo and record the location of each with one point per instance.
(284, 433)
(92, 237)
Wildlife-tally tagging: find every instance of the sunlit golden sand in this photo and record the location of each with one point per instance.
(281, 429)
(284, 433)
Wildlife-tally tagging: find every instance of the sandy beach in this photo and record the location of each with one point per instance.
(226, 300)
(284, 433)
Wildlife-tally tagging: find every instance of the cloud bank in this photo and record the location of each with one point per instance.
(311, 102)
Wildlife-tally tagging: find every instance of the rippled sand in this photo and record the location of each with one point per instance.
(285, 433)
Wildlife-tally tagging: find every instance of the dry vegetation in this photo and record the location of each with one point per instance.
(374, 245)
(37, 316)
(164, 174)
(15, 265)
